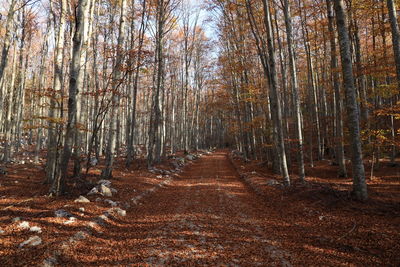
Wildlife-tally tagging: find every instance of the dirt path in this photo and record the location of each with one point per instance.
(205, 216)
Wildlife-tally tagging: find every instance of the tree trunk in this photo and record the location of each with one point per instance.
(116, 82)
(396, 50)
(359, 184)
(338, 100)
(75, 85)
(295, 88)
(274, 95)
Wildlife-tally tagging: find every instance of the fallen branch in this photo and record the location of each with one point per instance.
(23, 201)
(346, 234)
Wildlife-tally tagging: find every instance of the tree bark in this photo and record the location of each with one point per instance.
(396, 50)
(75, 85)
(358, 172)
(295, 88)
(116, 82)
(274, 95)
(338, 100)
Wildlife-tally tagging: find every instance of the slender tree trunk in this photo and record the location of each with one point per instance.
(396, 50)
(274, 95)
(153, 155)
(116, 82)
(358, 172)
(338, 102)
(142, 29)
(295, 88)
(52, 146)
(75, 85)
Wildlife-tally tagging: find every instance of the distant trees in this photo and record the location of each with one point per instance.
(313, 118)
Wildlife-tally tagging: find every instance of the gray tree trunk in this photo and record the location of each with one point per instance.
(116, 82)
(396, 50)
(75, 86)
(142, 30)
(358, 172)
(295, 88)
(338, 100)
(52, 145)
(274, 95)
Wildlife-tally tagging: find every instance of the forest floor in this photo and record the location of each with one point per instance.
(217, 211)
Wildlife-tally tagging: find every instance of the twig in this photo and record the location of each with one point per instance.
(346, 234)
(23, 201)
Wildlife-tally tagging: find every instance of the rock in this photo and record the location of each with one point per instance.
(16, 219)
(80, 235)
(82, 199)
(272, 182)
(112, 203)
(105, 191)
(101, 220)
(98, 199)
(113, 190)
(70, 220)
(3, 171)
(159, 177)
(93, 191)
(49, 262)
(117, 211)
(175, 164)
(126, 205)
(104, 182)
(93, 162)
(35, 229)
(92, 224)
(181, 161)
(82, 209)
(32, 241)
(1, 231)
(24, 225)
(62, 214)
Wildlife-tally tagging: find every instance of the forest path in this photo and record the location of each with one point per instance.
(206, 216)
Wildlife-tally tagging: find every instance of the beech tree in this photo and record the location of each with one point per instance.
(75, 86)
(359, 184)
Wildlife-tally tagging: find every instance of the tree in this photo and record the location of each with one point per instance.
(358, 173)
(274, 96)
(75, 85)
(52, 145)
(295, 87)
(396, 50)
(338, 99)
(116, 82)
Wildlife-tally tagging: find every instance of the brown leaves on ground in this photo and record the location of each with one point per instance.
(325, 226)
(207, 215)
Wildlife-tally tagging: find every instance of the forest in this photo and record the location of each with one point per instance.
(193, 133)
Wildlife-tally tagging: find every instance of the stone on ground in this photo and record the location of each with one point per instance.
(24, 225)
(35, 229)
(62, 214)
(117, 211)
(82, 199)
(32, 241)
(104, 182)
(105, 191)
